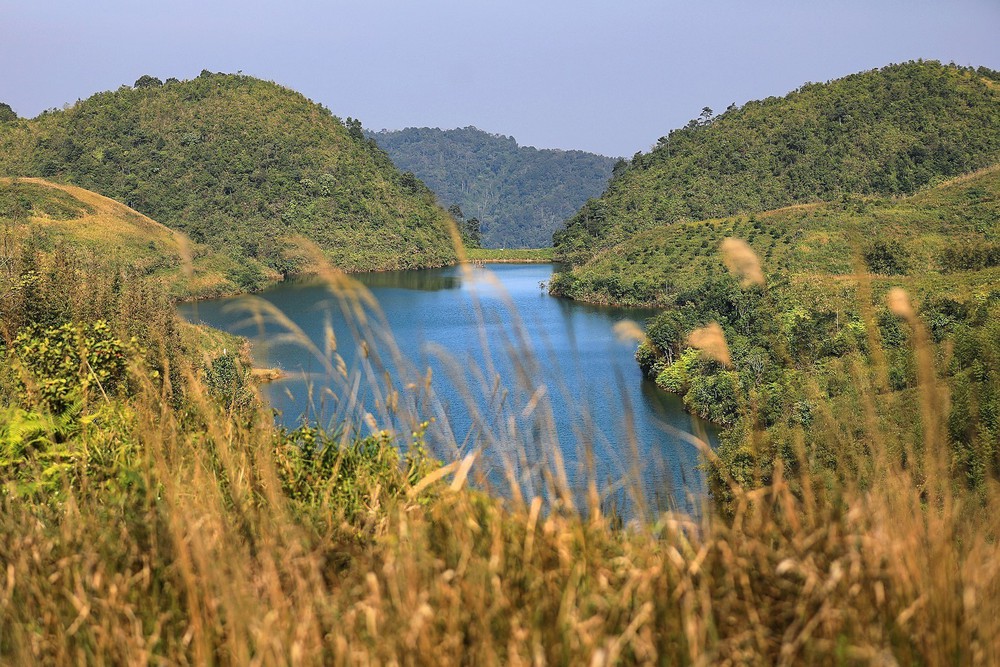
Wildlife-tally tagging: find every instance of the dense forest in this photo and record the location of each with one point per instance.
(242, 165)
(519, 194)
(889, 132)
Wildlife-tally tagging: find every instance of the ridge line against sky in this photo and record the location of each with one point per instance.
(609, 78)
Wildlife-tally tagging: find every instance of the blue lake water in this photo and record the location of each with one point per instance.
(491, 361)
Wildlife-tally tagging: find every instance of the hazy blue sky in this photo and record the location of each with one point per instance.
(609, 76)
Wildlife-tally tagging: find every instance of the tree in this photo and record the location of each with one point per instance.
(456, 212)
(354, 128)
(147, 81)
(6, 113)
(473, 232)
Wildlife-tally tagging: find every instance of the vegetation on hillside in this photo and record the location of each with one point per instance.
(885, 132)
(150, 511)
(57, 220)
(816, 325)
(519, 194)
(241, 165)
(800, 332)
(512, 255)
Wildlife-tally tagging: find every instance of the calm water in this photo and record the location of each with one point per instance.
(490, 360)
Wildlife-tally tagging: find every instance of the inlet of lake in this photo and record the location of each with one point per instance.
(491, 362)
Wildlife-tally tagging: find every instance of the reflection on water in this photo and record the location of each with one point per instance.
(492, 360)
(427, 280)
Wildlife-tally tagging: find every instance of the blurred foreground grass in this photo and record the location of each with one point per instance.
(151, 512)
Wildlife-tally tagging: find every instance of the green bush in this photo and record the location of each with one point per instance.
(73, 360)
(319, 474)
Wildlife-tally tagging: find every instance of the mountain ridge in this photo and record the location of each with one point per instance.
(888, 131)
(519, 194)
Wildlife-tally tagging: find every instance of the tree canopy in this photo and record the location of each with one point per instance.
(519, 194)
(242, 165)
(890, 131)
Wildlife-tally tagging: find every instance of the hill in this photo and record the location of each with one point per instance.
(56, 220)
(821, 320)
(519, 194)
(951, 227)
(242, 165)
(884, 132)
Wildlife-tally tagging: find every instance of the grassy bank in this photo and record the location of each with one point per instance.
(512, 256)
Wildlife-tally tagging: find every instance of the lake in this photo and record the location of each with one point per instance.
(490, 362)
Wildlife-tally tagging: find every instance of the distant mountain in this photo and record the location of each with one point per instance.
(890, 131)
(519, 194)
(242, 165)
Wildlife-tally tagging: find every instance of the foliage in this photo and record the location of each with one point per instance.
(944, 229)
(70, 361)
(319, 472)
(227, 381)
(513, 255)
(45, 455)
(241, 165)
(801, 341)
(885, 132)
(519, 194)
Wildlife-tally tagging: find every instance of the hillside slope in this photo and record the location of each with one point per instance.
(889, 132)
(242, 165)
(57, 220)
(520, 194)
(893, 294)
(952, 227)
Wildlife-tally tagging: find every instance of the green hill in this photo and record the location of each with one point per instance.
(519, 194)
(952, 227)
(56, 220)
(819, 325)
(887, 132)
(242, 165)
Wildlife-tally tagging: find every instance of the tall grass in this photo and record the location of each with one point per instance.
(207, 555)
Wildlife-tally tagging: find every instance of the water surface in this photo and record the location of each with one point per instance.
(491, 361)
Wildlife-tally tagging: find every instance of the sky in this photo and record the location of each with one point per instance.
(610, 77)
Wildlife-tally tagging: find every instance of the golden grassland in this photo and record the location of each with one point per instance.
(64, 215)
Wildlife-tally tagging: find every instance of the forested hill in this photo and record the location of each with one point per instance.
(241, 165)
(888, 132)
(519, 194)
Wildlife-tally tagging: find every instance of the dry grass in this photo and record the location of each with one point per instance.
(213, 564)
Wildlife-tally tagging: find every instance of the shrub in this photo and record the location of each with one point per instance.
(71, 360)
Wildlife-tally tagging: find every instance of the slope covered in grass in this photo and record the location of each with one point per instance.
(948, 228)
(241, 165)
(519, 194)
(884, 132)
(783, 329)
(54, 218)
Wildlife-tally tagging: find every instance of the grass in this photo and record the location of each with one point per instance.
(182, 527)
(56, 215)
(814, 242)
(513, 255)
